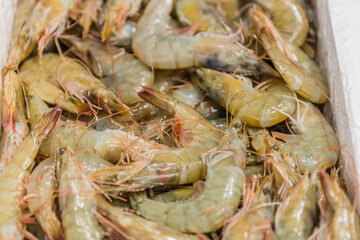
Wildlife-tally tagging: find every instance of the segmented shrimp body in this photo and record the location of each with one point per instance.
(135, 227)
(40, 192)
(156, 46)
(67, 84)
(14, 119)
(257, 108)
(299, 71)
(13, 175)
(130, 73)
(289, 17)
(196, 136)
(219, 198)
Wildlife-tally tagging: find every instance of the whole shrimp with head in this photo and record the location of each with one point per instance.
(299, 71)
(258, 108)
(221, 194)
(11, 186)
(185, 164)
(156, 46)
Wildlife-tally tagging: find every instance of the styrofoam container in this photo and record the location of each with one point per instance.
(338, 56)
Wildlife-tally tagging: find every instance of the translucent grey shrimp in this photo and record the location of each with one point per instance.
(11, 187)
(40, 192)
(132, 226)
(196, 136)
(219, 198)
(344, 221)
(156, 46)
(76, 201)
(296, 216)
(254, 220)
(130, 73)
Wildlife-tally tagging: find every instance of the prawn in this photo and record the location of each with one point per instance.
(299, 71)
(48, 18)
(254, 220)
(14, 119)
(86, 12)
(130, 73)
(196, 136)
(219, 198)
(76, 201)
(40, 194)
(156, 46)
(255, 107)
(67, 84)
(289, 17)
(132, 226)
(115, 14)
(344, 221)
(296, 216)
(11, 179)
(208, 18)
(314, 142)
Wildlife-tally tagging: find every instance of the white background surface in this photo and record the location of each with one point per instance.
(340, 53)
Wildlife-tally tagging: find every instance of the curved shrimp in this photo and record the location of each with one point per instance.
(255, 107)
(14, 119)
(200, 12)
(86, 12)
(48, 18)
(132, 226)
(115, 14)
(289, 17)
(254, 220)
(11, 179)
(296, 217)
(314, 142)
(345, 222)
(67, 84)
(195, 135)
(76, 201)
(40, 191)
(156, 46)
(130, 73)
(219, 198)
(299, 71)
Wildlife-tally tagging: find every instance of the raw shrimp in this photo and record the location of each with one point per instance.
(200, 12)
(87, 12)
(344, 221)
(48, 18)
(40, 194)
(219, 198)
(23, 10)
(11, 179)
(115, 14)
(254, 220)
(132, 226)
(176, 166)
(314, 142)
(14, 119)
(296, 217)
(289, 17)
(298, 70)
(130, 73)
(76, 201)
(257, 108)
(68, 84)
(156, 46)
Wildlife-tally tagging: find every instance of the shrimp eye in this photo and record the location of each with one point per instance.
(27, 39)
(237, 125)
(275, 148)
(61, 151)
(79, 15)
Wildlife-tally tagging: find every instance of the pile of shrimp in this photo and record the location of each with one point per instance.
(168, 119)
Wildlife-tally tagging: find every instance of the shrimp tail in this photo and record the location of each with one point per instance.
(331, 189)
(47, 123)
(158, 99)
